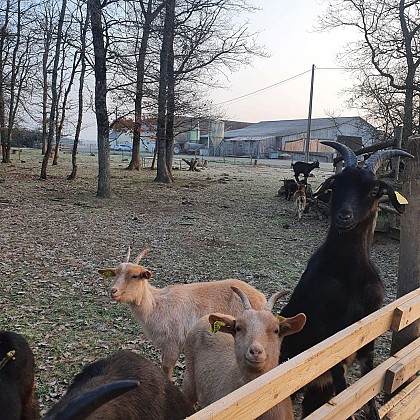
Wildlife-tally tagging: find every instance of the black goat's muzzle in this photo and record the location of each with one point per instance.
(344, 220)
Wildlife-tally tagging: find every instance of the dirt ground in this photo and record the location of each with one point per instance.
(225, 221)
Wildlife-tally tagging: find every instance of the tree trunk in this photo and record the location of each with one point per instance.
(162, 170)
(135, 162)
(80, 101)
(169, 144)
(54, 97)
(409, 262)
(104, 177)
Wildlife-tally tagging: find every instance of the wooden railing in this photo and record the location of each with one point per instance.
(258, 396)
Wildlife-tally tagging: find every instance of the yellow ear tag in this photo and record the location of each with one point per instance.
(280, 318)
(217, 325)
(107, 274)
(400, 198)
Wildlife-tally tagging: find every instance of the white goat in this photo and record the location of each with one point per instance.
(166, 315)
(217, 364)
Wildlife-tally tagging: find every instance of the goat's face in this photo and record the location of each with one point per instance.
(355, 196)
(130, 281)
(258, 336)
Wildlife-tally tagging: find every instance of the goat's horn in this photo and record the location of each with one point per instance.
(141, 255)
(273, 299)
(374, 161)
(89, 401)
(127, 258)
(349, 157)
(243, 296)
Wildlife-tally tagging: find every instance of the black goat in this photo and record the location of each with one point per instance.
(156, 397)
(341, 285)
(95, 392)
(17, 395)
(303, 168)
(290, 187)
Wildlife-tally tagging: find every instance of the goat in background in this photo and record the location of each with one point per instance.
(341, 285)
(299, 200)
(304, 169)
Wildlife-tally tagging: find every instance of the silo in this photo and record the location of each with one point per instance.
(216, 134)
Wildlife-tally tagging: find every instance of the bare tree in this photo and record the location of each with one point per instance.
(83, 26)
(102, 120)
(15, 62)
(389, 49)
(54, 95)
(164, 173)
(149, 15)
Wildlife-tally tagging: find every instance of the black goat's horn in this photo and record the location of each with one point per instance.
(375, 161)
(349, 157)
(243, 296)
(273, 299)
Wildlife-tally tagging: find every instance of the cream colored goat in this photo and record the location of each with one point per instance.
(166, 315)
(217, 364)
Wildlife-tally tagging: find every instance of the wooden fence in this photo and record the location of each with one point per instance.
(258, 396)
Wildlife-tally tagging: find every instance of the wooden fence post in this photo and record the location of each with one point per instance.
(409, 262)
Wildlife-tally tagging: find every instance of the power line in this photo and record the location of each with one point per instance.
(238, 98)
(264, 88)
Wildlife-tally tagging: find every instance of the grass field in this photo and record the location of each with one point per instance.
(224, 221)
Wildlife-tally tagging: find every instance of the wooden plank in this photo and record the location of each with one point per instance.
(394, 401)
(363, 390)
(406, 314)
(258, 396)
(404, 369)
(408, 408)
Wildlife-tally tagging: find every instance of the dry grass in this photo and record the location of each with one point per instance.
(226, 221)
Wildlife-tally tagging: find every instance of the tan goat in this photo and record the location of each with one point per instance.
(217, 364)
(166, 315)
(299, 200)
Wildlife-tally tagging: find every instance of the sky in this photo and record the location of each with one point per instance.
(287, 31)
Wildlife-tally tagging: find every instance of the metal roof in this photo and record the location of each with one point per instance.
(289, 127)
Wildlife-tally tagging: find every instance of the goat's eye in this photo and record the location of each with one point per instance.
(135, 277)
(238, 328)
(375, 191)
(276, 331)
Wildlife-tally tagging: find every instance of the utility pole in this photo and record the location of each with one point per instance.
(308, 132)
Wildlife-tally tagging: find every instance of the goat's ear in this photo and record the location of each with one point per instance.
(292, 325)
(107, 272)
(146, 274)
(223, 323)
(396, 199)
(326, 185)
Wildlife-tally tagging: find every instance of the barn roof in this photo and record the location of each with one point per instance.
(283, 128)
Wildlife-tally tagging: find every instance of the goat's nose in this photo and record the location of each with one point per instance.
(345, 215)
(255, 350)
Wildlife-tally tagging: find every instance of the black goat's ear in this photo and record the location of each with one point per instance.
(392, 195)
(326, 185)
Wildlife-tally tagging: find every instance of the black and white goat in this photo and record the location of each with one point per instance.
(341, 285)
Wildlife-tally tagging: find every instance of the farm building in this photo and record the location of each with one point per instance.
(271, 139)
